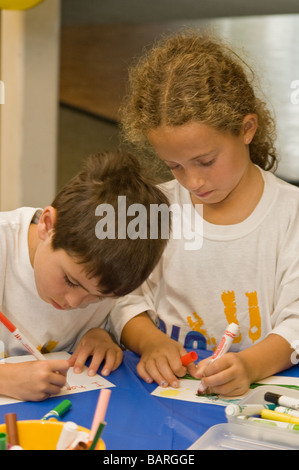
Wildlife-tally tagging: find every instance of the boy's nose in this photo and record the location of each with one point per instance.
(75, 299)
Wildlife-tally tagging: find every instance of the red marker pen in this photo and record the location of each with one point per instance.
(188, 358)
(224, 345)
(23, 340)
(19, 336)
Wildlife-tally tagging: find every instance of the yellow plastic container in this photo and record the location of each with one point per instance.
(42, 435)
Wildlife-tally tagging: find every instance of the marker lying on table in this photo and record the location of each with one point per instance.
(270, 422)
(188, 358)
(282, 400)
(58, 411)
(246, 410)
(224, 345)
(23, 340)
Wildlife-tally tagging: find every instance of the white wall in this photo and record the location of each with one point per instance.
(29, 57)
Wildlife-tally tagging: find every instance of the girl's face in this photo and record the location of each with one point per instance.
(210, 164)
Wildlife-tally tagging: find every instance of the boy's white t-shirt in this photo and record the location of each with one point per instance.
(48, 328)
(247, 273)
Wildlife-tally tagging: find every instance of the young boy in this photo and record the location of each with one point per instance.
(60, 272)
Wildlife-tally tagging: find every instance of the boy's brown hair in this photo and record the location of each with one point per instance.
(192, 77)
(120, 264)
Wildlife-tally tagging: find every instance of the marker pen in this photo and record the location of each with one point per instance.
(12, 429)
(269, 414)
(246, 410)
(270, 422)
(58, 411)
(81, 439)
(100, 412)
(288, 411)
(20, 337)
(3, 441)
(67, 436)
(282, 400)
(24, 341)
(224, 345)
(188, 358)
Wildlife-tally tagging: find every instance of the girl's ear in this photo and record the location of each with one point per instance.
(46, 223)
(250, 123)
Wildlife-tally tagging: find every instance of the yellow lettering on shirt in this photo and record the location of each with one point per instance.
(47, 348)
(255, 328)
(198, 325)
(230, 309)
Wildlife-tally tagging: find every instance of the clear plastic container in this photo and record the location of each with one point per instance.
(244, 434)
(231, 436)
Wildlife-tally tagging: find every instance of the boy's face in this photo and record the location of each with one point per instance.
(59, 280)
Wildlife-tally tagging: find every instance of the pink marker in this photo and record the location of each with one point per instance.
(231, 332)
(100, 411)
(23, 340)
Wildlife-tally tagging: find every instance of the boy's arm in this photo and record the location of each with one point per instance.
(33, 380)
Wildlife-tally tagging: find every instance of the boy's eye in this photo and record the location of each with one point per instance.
(173, 167)
(69, 283)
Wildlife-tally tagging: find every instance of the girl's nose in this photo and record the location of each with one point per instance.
(193, 180)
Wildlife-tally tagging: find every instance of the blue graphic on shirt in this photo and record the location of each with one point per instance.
(193, 339)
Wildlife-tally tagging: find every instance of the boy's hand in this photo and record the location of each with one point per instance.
(227, 375)
(98, 344)
(33, 380)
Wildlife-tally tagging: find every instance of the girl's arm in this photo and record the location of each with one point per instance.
(160, 355)
(233, 373)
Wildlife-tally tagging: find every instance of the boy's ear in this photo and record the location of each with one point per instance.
(46, 222)
(250, 123)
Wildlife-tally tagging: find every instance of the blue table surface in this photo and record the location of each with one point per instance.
(135, 418)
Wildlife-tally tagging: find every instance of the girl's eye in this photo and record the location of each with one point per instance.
(209, 163)
(69, 283)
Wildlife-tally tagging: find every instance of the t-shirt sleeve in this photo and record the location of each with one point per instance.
(129, 306)
(285, 317)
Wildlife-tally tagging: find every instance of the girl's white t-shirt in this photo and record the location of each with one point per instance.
(247, 273)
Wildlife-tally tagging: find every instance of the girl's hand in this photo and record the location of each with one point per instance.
(33, 380)
(161, 362)
(98, 344)
(227, 375)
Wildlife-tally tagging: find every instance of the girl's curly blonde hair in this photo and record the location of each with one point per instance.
(190, 77)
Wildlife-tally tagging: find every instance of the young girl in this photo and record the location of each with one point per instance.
(191, 99)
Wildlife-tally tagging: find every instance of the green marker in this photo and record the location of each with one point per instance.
(97, 435)
(3, 441)
(59, 410)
